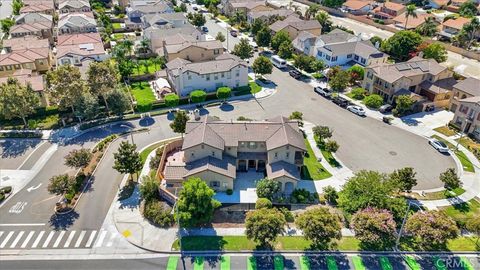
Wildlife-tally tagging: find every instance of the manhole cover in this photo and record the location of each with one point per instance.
(313, 99)
(393, 153)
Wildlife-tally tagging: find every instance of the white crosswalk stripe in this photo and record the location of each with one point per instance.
(35, 239)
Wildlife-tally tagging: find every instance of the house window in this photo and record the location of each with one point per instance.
(1, 68)
(216, 77)
(328, 57)
(229, 75)
(216, 51)
(203, 146)
(349, 56)
(189, 77)
(9, 67)
(252, 145)
(355, 57)
(363, 60)
(320, 54)
(193, 154)
(287, 155)
(223, 74)
(276, 155)
(17, 66)
(208, 77)
(213, 153)
(237, 73)
(369, 75)
(334, 59)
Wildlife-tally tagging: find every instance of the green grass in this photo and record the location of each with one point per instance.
(385, 263)
(317, 75)
(143, 94)
(251, 263)
(412, 263)
(352, 96)
(254, 87)
(312, 169)
(150, 68)
(438, 195)
(144, 154)
(251, 88)
(198, 264)
(466, 163)
(445, 130)
(225, 263)
(172, 263)
(469, 143)
(116, 26)
(331, 263)
(464, 211)
(326, 154)
(466, 263)
(358, 263)
(278, 262)
(304, 263)
(464, 244)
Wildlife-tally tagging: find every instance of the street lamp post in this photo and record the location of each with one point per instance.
(131, 134)
(397, 242)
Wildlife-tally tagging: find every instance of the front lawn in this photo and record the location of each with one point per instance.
(439, 195)
(326, 154)
(312, 169)
(463, 211)
(143, 94)
(251, 88)
(254, 87)
(445, 130)
(144, 154)
(469, 143)
(116, 26)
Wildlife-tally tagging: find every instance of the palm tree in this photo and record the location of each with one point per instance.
(145, 45)
(324, 19)
(471, 29)
(410, 11)
(128, 45)
(311, 11)
(428, 28)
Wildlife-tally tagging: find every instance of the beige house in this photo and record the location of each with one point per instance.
(470, 87)
(217, 151)
(467, 116)
(34, 59)
(38, 6)
(24, 43)
(244, 6)
(192, 50)
(293, 25)
(422, 77)
(34, 80)
(38, 29)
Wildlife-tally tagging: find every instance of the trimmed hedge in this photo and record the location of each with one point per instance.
(198, 96)
(172, 100)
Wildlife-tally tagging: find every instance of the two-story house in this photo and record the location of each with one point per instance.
(293, 25)
(470, 87)
(225, 70)
(387, 11)
(455, 5)
(23, 43)
(73, 23)
(164, 20)
(467, 116)
(75, 49)
(139, 8)
(74, 6)
(452, 27)
(266, 15)
(339, 48)
(38, 6)
(422, 77)
(192, 50)
(34, 59)
(230, 7)
(39, 29)
(216, 151)
(157, 36)
(412, 23)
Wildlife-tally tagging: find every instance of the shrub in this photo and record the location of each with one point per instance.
(229, 191)
(330, 194)
(172, 100)
(158, 213)
(6, 190)
(263, 203)
(358, 93)
(224, 92)
(198, 96)
(289, 217)
(373, 101)
(155, 161)
(2, 197)
(149, 188)
(267, 188)
(301, 195)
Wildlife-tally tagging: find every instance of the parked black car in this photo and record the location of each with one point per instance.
(295, 74)
(340, 101)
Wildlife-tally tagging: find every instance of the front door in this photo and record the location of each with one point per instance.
(261, 166)
(467, 127)
(242, 165)
(252, 164)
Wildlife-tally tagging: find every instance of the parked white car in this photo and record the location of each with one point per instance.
(438, 145)
(356, 110)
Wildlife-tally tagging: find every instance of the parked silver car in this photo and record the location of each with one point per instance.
(356, 110)
(438, 145)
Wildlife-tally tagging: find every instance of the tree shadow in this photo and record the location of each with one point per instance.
(462, 207)
(14, 147)
(227, 107)
(146, 121)
(63, 221)
(129, 196)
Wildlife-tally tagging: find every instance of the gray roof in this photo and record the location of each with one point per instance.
(74, 4)
(222, 63)
(364, 49)
(440, 86)
(208, 45)
(225, 166)
(268, 13)
(282, 168)
(275, 132)
(336, 36)
(167, 17)
(33, 18)
(296, 23)
(159, 6)
(77, 20)
(174, 172)
(470, 86)
(163, 34)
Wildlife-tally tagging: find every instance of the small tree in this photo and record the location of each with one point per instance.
(60, 184)
(172, 100)
(358, 93)
(224, 93)
(296, 115)
(179, 122)
(264, 226)
(263, 203)
(263, 37)
(450, 179)
(220, 37)
(320, 226)
(195, 203)
(256, 26)
(279, 38)
(87, 107)
(356, 73)
(198, 96)
(119, 101)
(198, 19)
(435, 51)
(404, 104)
(267, 188)
(6, 24)
(375, 228)
(149, 188)
(262, 66)
(404, 179)
(330, 194)
(78, 159)
(331, 146)
(243, 49)
(17, 100)
(431, 229)
(468, 9)
(473, 226)
(373, 101)
(339, 81)
(322, 132)
(285, 50)
(127, 159)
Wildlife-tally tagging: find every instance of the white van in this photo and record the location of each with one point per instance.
(278, 62)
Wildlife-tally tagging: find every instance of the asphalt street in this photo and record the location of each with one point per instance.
(14, 153)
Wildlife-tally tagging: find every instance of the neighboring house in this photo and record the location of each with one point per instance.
(71, 23)
(387, 11)
(470, 87)
(165, 20)
(357, 7)
(305, 43)
(37, 59)
(140, 8)
(226, 70)
(29, 18)
(412, 23)
(23, 43)
(74, 6)
(455, 5)
(158, 35)
(34, 80)
(75, 49)
(219, 151)
(293, 25)
(244, 6)
(194, 51)
(452, 27)
(39, 29)
(438, 4)
(265, 15)
(339, 48)
(38, 6)
(418, 76)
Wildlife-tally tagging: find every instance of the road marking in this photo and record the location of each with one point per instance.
(1, 233)
(49, 238)
(34, 187)
(36, 148)
(101, 238)
(21, 224)
(69, 239)
(59, 238)
(5, 241)
(18, 207)
(80, 238)
(39, 237)
(90, 240)
(29, 237)
(110, 241)
(19, 236)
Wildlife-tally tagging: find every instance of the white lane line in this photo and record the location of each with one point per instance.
(80, 238)
(21, 224)
(1, 233)
(90, 240)
(39, 237)
(49, 238)
(19, 236)
(110, 241)
(59, 238)
(29, 237)
(28, 157)
(5, 241)
(101, 238)
(69, 239)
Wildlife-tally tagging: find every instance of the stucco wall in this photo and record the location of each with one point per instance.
(282, 154)
(201, 151)
(209, 176)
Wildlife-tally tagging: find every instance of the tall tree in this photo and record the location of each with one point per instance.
(119, 100)
(320, 226)
(450, 179)
(243, 49)
(428, 28)
(404, 179)
(375, 228)
(127, 159)
(263, 37)
(195, 203)
(468, 9)
(264, 226)
(402, 44)
(285, 50)
(103, 77)
(410, 11)
(16, 6)
(220, 37)
(17, 100)
(66, 86)
(87, 107)
(279, 38)
(6, 24)
(324, 19)
(198, 19)
(267, 188)
(78, 159)
(471, 29)
(322, 132)
(257, 25)
(311, 11)
(145, 45)
(262, 66)
(340, 80)
(404, 104)
(179, 122)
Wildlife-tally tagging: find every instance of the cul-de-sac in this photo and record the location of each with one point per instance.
(240, 134)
